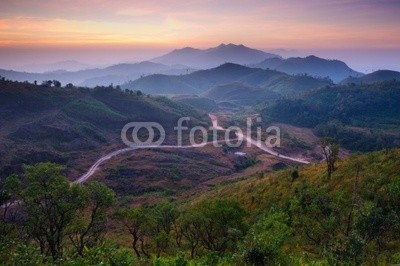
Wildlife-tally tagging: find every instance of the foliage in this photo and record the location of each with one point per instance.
(350, 219)
(360, 117)
(53, 210)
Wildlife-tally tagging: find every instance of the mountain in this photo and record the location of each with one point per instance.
(116, 74)
(69, 65)
(161, 84)
(202, 104)
(361, 117)
(215, 56)
(72, 125)
(202, 80)
(310, 65)
(240, 94)
(377, 76)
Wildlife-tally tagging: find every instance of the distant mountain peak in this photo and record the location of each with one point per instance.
(311, 65)
(215, 56)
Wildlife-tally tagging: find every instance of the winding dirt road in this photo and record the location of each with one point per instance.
(214, 121)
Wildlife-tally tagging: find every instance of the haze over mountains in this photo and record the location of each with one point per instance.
(311, 65)
(161, 75)
(68, 65)
(116, 74)
(202, 80)
(377, 76)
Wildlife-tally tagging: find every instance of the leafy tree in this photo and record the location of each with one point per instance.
(47, 83)
(263, 243)
(190, 224)
(90, 225)
(136, 221)
(57, 84)
(55, 211)
(165, 215)
(221, 224)
(49, 204)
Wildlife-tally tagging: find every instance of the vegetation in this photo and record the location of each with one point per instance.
(360, 117)
(62, 124)
(240, 94)
(295, 216)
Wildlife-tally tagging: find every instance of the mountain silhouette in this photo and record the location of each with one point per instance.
(310, 65)
(377, 76)
(215, 56)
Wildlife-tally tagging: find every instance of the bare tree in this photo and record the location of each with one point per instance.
(330, 150)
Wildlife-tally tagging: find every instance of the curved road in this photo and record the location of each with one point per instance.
(214, 121)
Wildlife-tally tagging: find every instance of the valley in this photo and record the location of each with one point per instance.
(283, 162)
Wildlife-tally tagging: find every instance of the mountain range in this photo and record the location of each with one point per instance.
(68, 65)
(200, 81)
(377, 76)
(310, 65)
(116, 74)
(215, 56)
(175, 72)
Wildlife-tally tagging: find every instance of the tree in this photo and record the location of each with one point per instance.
(69, 86)
(49, 204)
(6, 213)
(54, 211)
(165, 215)
(190, 223)
(137, 222)
(330, 150)
(89, 226)
(262, 244)
(222, 224)
(47, 83)
(56, 83)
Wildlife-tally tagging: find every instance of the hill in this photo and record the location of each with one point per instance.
(361, 117)
(310, 65)
(308, 219)
(202, 80)
(240, 94)
(200, 103)
(66, 125)
(116, 74)
(377, 76)
(212, 57)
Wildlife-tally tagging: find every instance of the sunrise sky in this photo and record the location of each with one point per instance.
(103, 32)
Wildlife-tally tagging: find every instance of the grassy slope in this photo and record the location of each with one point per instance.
(378, 174)
(65, 125)
(241, 94)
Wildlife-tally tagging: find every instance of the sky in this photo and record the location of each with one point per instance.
(364, 33)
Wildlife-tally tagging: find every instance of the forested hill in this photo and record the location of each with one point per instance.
(361, 117)
(62, 124)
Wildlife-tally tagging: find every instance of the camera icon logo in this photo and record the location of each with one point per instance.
(135, 141)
